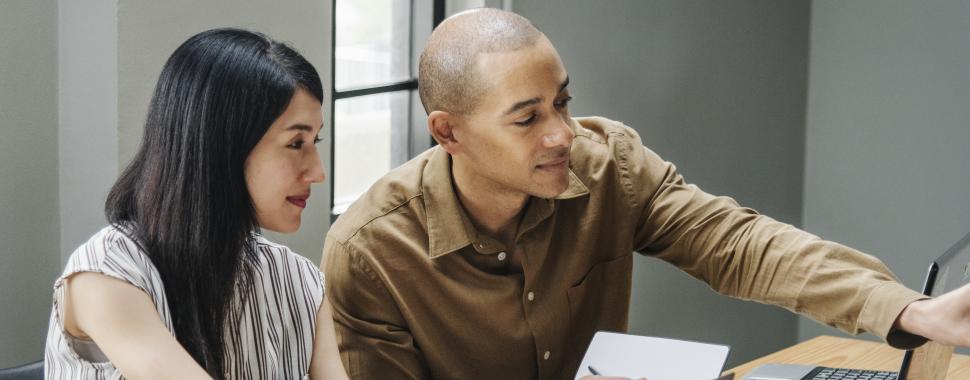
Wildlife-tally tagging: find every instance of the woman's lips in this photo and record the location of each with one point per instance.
(299, 201)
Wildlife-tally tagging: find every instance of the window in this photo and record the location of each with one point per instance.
(378, 122)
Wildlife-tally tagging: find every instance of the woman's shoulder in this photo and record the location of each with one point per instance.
(109, 237)
(113, 252)
(112, 246)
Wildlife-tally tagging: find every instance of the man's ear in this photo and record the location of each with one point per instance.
(441, 126)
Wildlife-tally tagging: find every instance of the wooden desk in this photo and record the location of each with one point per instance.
(830, 351)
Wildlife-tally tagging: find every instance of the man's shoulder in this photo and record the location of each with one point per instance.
(602, 131)
(599, 137)
(394, 200)
(600, 144)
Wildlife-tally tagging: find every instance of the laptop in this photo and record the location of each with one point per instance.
(948, 272)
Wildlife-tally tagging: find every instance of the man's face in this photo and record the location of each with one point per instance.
(518, 135)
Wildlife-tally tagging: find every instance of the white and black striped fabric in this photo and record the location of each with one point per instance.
(271, 336)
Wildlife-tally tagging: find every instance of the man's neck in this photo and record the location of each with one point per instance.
(493, 209)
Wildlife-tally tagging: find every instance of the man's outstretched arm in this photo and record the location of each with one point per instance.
(743, 254)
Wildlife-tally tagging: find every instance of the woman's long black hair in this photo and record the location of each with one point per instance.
(184, 196)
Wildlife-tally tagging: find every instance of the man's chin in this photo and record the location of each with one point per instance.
(551, 191)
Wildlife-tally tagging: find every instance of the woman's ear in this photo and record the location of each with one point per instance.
(441, 126)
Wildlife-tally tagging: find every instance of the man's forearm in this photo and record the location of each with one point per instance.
(945, 319)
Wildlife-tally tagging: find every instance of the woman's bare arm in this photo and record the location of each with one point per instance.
(326, 363)
(123, 322)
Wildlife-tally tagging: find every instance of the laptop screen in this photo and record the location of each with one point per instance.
(952, 269)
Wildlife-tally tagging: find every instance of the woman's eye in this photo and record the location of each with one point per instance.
(298, 144)
(317, 139)
(526, 122)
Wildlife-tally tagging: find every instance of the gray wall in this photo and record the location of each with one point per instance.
(29, 243)
(88, 115)
(718, 88)
(888, 127)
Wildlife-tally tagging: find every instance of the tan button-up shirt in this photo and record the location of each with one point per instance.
(417, 292)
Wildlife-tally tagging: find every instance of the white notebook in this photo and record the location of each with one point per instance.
(634, 356)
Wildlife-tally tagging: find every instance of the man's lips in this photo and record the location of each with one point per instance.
(555, 164)
(298, 200)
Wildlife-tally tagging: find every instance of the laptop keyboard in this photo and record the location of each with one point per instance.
(824, 373)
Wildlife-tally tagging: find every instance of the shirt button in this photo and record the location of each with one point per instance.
(545, 356)
(531, 296)
(501, 256)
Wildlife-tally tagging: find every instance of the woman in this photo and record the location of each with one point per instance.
(181, 284)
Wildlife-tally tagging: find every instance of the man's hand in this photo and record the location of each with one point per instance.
(945, 319)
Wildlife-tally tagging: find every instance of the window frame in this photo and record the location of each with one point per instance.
(418, 12)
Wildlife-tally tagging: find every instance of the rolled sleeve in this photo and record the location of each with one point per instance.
(881, 310)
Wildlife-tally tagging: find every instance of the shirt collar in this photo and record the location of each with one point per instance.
(450, 229)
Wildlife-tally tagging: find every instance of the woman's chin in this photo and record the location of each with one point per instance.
(283, 228)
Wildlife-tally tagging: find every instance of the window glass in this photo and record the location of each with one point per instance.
(371, 137)
(372, 43)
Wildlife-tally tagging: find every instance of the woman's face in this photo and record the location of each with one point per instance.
(284, 163)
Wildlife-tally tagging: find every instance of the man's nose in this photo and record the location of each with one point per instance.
(559, 136)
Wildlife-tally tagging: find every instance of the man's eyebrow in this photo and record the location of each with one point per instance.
(523, 104)
(535, 100)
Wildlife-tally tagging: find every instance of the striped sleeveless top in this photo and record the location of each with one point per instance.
(273, 338)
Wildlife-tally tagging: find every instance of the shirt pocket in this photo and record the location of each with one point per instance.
(600, 300)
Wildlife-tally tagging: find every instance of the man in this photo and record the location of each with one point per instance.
(498, 253)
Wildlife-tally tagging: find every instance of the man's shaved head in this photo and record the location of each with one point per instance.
(447, 77)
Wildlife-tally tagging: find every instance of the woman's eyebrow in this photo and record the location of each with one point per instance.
(300, 127)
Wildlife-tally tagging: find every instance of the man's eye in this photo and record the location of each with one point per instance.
(526, 122)
(563, 102)
(298, 144)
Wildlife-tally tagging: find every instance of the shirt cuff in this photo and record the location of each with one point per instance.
(883, 308)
